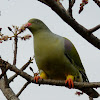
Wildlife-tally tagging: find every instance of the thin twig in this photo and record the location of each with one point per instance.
(15, 49)
(23, 68)
(70, 8)
(71, 4)
(10, 29)
(25, 85)
(94, 29)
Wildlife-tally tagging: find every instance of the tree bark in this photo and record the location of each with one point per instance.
(8, 92)
(73, 23)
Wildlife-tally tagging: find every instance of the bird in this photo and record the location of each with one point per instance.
(57, 57)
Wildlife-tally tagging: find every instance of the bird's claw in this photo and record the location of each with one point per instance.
(36, 78)
(70, 83)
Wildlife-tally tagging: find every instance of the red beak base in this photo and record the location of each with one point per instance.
(27, 25)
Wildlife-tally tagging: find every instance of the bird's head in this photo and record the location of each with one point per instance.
(35, 25)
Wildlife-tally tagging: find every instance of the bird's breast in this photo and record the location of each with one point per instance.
(49, 55)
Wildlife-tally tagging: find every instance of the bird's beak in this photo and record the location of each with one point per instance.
(27, 25)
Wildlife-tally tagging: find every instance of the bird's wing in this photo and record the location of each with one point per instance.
(73, 56)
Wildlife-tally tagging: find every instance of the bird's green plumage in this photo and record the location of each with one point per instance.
(50, 53)
(72, 54)
(55, 55)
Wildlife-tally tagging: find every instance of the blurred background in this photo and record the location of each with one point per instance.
(18, 12)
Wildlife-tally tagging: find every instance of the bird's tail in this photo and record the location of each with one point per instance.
(91, 92)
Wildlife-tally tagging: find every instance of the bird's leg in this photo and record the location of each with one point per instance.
(69, 81)
(42, 76)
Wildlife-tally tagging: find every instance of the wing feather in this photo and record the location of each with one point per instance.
(73, 56)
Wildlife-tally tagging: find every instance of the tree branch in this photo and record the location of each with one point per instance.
(97, 2)
(15, 49)
(25, 85)
(8, 93)
(3, 73)
(73, 23)
(4, 70)
(6, 81)
(77, 85)
(94, 29)
(90, 98)
(43, 1)
(71, 4)
(23, 68)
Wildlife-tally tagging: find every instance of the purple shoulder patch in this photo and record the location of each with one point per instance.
(68, 45)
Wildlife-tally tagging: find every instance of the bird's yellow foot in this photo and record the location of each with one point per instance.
(42, 76)
(69, 81)
(36, 78)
